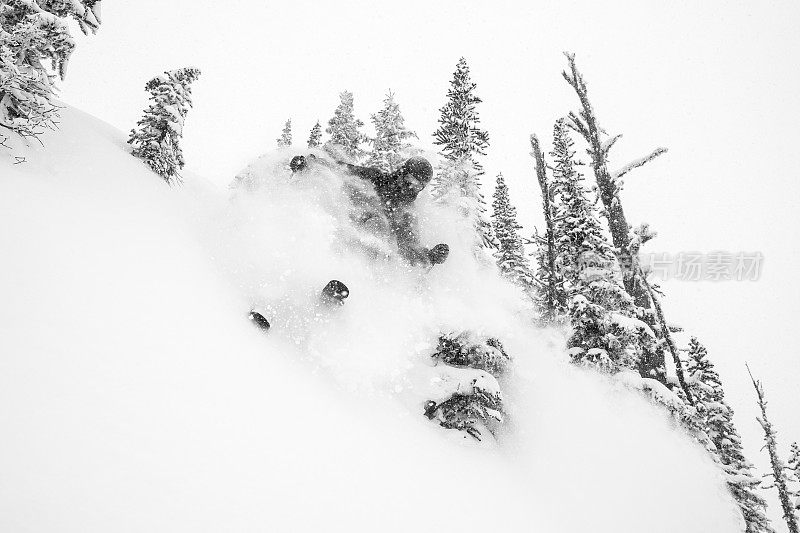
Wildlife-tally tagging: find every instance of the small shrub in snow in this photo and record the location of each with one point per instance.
(466, 350)
(472, 401)
(467, 412)
(160, 130)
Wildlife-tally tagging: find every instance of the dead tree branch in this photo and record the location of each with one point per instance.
(638, 162)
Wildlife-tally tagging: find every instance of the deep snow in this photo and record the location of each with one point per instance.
(135, 395)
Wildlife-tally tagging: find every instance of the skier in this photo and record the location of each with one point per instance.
(397, 191)
(391, 211)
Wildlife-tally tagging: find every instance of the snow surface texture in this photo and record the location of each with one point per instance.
(136, 396)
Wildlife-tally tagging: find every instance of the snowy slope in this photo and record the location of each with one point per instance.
(134, 394)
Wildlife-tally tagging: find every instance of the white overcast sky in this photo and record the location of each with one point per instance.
(715, 82)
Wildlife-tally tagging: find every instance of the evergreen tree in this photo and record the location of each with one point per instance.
(606, 332)
(550, 296)
(157, 140)
(34, 33)
(458, 133)
(343, 128)
(510, 254)
(286, 135)
(779, 478)
(390, 136)
(462, 141)
(626, 245)
(315, 137)
(716, 419)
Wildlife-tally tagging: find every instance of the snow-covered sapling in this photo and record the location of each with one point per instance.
(157, 139)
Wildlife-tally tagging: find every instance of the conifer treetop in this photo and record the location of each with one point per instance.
(459, 134)
(315, 136)
(286, 135)
(390, 136)
(343, 127)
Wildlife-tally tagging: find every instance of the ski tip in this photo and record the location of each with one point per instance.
(438, 254)
(335, 292)
(298, 163)
(258, 319)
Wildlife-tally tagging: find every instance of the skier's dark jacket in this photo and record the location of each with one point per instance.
(397, 191)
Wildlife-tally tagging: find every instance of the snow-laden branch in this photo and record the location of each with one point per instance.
(638, 162)
(606, 146)
(576, 124)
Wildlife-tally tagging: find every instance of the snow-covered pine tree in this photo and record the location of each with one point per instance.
(510, 255)
(390, 136)
(157, 139)
(550, 296)
(462, 141)
(716, 420)
(343, 128)
(606, 332)
(34, 33)
(779, 478)
(458, 133)
(315, 137)
(609, 186)
(286, 135)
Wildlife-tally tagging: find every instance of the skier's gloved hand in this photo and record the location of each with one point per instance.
(438, 254)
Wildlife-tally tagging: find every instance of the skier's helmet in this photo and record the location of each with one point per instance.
(419, 168)
(414, 176)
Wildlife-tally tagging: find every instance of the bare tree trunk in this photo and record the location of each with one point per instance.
(778, 468)
(541, 175)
